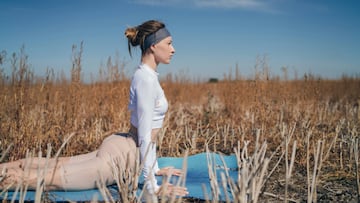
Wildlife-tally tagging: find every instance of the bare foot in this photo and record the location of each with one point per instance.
(5, 180)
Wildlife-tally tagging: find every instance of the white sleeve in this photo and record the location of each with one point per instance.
(146, 92)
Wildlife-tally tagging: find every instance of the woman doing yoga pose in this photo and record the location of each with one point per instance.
(148, 106)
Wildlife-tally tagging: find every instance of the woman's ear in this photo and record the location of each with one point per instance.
(149, 50)
(152, 47)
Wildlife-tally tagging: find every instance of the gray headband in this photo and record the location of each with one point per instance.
(155, 37)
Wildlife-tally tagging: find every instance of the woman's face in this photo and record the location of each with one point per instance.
(163, 50)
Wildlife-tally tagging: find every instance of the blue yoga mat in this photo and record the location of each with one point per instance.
(197, 179)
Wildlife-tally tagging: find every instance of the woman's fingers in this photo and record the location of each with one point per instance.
(170, 171)
(177, 172)
(179, 191)
(171, 190)
(161, 171)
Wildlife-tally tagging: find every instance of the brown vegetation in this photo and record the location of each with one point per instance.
(311, 122)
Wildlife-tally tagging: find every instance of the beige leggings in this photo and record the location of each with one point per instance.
(77, 172)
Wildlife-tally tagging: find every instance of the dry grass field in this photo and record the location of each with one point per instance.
(304, 133)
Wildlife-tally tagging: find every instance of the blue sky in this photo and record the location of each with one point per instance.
(321, 37)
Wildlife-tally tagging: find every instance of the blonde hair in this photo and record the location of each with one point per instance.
(136, 35)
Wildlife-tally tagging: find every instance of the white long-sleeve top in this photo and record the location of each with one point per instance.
(148, 106)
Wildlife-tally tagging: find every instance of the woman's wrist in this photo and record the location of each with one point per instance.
(158, 172)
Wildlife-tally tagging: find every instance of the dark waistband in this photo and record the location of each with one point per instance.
(133, 133)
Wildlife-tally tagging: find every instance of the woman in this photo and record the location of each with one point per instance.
(148, 103)
(148, 106)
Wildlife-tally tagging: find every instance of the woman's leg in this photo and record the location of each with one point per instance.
(79, 172)
(35, 162)
(32, 163)
(26, 170)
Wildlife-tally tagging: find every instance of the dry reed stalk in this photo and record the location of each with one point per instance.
(21, 187)
(288, 166)
(356, 158)
(215, 189)
(181, 180)
(224, 183)
(312, 182)
(103, 190)
(251, 175)
(3, 154)
(280, 197)
(126, 179)
(341, 152)
(41, 173)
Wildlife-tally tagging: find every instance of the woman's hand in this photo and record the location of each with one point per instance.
(170, 190)
(169, 171)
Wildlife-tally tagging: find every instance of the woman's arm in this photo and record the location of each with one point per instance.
(145, 92)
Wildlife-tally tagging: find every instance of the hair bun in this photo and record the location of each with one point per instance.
(131, 34)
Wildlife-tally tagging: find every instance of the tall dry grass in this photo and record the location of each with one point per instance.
(310, 125)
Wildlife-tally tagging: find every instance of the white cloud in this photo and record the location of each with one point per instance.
(230, 3)
(244, 4)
